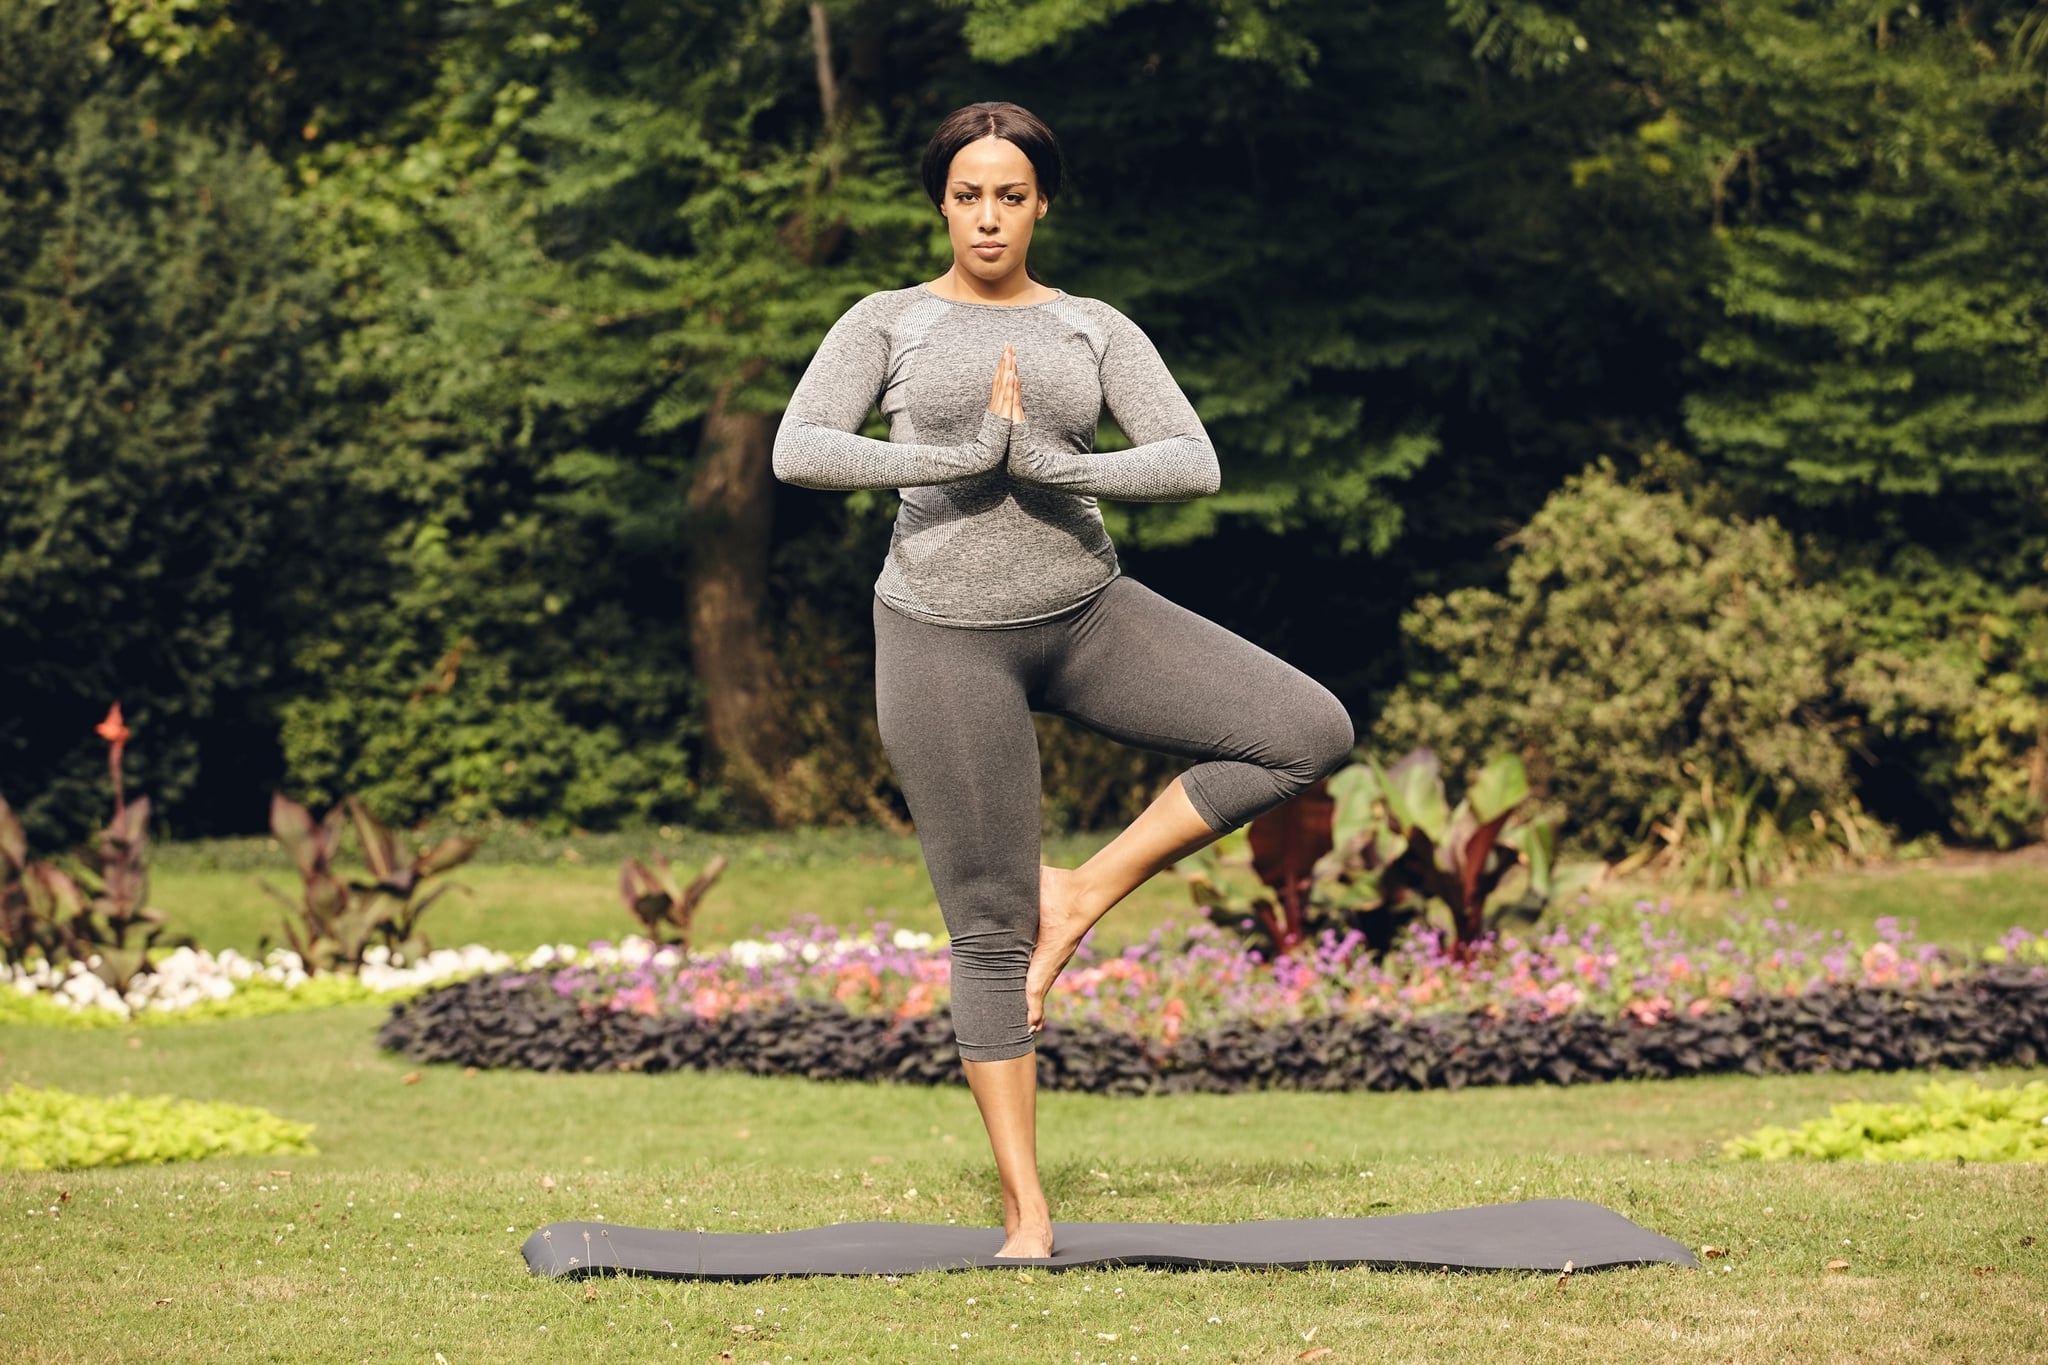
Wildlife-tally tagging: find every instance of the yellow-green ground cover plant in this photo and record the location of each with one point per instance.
(52, 1129)
(1953, 1122)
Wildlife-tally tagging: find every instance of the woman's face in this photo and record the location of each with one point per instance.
(991, 204)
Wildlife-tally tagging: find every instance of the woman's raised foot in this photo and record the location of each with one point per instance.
(1063, 921)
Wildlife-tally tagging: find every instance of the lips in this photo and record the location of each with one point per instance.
(989, 248)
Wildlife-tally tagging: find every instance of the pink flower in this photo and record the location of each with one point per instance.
(1651, 1010)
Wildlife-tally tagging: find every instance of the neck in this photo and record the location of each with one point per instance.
(1015, 287)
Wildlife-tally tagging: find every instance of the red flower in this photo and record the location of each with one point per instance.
(111, 729)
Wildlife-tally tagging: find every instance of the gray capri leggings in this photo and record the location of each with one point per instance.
(955, 708)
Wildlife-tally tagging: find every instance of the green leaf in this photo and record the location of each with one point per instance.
(1500, 787)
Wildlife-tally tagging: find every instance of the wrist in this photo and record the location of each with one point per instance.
(993, 440)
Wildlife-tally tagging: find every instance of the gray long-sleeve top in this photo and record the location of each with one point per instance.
(998, 525)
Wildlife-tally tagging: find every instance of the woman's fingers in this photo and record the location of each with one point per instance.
(1006, 391)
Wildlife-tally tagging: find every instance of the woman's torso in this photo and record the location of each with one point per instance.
(992, 550)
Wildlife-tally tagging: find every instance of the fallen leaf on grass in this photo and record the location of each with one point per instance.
(1314, 1353)
(547, 1183)
(1711, 1252)
(1980, 1271)
(589, 1292)
(159, 1303)
(2026, 1241)
(1836, 1266)
(409, 1078)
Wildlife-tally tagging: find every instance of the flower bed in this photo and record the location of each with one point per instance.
(1193, 1009)
(189, 985)
(1183, 978)
(1996, 1018)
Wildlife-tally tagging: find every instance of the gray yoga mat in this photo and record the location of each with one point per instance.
(1530, 1234)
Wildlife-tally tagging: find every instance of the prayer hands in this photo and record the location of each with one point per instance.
(1006, 398)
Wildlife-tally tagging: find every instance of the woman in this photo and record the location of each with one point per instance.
(1001, 595)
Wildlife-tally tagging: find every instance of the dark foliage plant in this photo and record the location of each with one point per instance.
(666, 909)
(337, 921)
(1998, 1017)
(90, 912)
(1369, 849)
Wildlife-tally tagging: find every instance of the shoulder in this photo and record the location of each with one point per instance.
(1108, 327)
(1108, 321)
(879, 310)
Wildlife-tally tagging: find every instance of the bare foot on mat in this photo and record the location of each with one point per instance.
(1028, 1242)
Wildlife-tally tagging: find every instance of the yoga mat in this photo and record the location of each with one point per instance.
(1530, 1234)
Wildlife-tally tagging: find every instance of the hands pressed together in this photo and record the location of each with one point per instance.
(1005, 397)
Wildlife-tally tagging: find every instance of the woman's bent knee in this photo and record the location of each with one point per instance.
(1322, 736)
(1332, 737)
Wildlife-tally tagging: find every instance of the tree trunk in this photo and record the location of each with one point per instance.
(732, 502)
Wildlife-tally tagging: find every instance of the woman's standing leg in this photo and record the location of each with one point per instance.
(956, 724)
(1148, 672)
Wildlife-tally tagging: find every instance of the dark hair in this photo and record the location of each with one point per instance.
(995, 118)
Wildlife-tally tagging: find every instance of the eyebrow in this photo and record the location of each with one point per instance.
(1012, 185)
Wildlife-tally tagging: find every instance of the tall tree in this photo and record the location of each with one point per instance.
(159, 438)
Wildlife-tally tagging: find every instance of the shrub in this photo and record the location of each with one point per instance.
(1952, 673)
(1642, 647)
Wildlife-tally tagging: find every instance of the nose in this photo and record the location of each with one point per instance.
(988, 216)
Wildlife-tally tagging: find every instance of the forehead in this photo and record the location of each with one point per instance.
(991, 159)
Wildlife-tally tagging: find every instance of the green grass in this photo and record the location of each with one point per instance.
(843, 876)
(234, 1259)
(567, 891)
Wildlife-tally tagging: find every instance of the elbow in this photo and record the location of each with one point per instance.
(1207, 475)
(786, 456)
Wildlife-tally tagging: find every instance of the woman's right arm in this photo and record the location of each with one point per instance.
(817, 445)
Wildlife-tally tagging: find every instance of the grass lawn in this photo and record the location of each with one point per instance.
(568, 892)
(399, 1239)
(565, 890)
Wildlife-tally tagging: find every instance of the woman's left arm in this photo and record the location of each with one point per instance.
(1170, 458)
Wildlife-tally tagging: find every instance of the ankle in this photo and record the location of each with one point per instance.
(1089, 895)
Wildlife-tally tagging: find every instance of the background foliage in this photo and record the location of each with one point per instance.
(383, 389)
